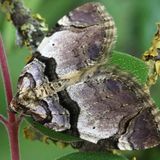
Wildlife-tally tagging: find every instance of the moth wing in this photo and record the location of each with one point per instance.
(82, 38)
(113, 106)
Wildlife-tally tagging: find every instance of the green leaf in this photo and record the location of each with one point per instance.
(92, 156)
(57, 136)
(130, 64)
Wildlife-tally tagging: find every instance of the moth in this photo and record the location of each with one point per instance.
(66, 87)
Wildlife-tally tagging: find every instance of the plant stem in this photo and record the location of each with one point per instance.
(13, 138)
(11, 124)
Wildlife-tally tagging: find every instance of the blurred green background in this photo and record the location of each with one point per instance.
(136, 22)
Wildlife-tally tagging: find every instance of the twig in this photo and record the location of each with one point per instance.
(30, 28)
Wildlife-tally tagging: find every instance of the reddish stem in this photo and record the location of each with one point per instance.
(14, 143)
(6, 77)
(11, 124)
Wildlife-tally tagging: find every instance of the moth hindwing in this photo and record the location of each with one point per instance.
(66, 88)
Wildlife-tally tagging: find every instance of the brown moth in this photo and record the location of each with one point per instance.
(66, 88)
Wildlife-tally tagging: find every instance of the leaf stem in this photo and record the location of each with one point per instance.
(3, 120)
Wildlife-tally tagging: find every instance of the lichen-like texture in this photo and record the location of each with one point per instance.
(31, 29)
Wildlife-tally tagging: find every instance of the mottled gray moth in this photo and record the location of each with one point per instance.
(66, 88)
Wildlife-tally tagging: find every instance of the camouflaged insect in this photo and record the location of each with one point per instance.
(66, 88)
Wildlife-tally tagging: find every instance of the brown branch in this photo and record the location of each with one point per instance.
(30, 28)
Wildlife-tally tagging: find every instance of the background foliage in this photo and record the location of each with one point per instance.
(135, 21)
